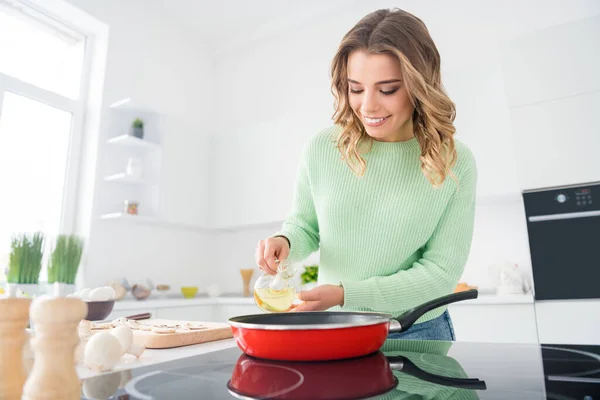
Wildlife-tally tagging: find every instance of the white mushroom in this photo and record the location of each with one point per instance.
(136, 350)
(126, 376)
(84, 294)
(125, 336)
(119, 321)
(102, 352)
(101, 387)
(104, 293)
(85, 328)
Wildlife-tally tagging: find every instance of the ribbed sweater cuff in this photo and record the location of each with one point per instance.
(297, 250)
(357, 293)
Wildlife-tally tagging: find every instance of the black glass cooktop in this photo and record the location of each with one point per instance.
(401, 370)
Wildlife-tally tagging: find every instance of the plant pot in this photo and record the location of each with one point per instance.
(61, 289)
(31, 289)
(137, 132)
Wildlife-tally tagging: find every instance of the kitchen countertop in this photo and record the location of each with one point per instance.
(401, 369)
(157, 356)
(179, 301)
(166, 302)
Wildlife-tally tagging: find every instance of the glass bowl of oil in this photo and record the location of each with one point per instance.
(276, 293)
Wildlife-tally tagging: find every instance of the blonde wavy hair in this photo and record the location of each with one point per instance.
(402, 35)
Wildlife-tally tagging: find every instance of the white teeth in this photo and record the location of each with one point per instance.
(373, 120)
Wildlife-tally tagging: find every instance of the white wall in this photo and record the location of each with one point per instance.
(153, 61)
(236, 121)
(282, 97)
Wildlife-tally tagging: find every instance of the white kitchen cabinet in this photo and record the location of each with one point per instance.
(553, 63)
(569, 321)
(191, 313)
(498, 323)
(557, 141)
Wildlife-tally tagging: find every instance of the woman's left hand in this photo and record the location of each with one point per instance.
(320, 298)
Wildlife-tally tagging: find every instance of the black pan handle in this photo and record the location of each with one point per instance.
(403, 364)
(408, 318)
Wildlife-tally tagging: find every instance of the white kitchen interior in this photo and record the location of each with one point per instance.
(230, 92)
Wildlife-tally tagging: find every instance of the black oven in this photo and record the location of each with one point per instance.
(563, 225)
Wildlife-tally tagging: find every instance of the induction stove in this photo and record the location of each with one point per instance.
(402, 369)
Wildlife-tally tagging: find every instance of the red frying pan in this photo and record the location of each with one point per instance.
(328, 335)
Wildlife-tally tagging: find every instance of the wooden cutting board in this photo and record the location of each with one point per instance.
(181, 337)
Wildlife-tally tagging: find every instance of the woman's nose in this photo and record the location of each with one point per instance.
(369, 104)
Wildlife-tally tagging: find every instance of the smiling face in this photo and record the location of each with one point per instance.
(379, 97)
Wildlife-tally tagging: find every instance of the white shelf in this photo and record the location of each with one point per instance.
(141, 219)
(128, 104)
(126, 179)
(133, 142)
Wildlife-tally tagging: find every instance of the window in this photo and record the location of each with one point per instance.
(39, 50)
(41, 107)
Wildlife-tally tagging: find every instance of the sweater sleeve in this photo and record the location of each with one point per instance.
(301, 226)
(442, 262)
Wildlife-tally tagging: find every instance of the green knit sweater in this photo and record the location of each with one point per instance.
(389, 237)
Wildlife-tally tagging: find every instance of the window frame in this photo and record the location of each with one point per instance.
(86, 110)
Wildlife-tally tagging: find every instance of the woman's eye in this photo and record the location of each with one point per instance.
(387, 93)
(357, 91)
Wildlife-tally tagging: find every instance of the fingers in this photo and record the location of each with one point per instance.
(284, 252)
(260, 256)
(309, 295)
(266, 252)
(272, 250)
(311, 300)
(309, 306)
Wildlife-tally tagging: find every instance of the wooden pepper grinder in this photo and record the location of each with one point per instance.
(14, 317)
(246, 277)
(55, 321)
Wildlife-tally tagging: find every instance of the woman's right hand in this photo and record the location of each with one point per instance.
(269, 250)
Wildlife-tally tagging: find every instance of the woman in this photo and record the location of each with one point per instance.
(386, 193)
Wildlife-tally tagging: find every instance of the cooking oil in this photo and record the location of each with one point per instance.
(275, 300)
(276, 293)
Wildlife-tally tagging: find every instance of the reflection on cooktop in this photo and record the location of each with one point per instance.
(181, 383)
(403, 369)
(571, 372)
(252, 378)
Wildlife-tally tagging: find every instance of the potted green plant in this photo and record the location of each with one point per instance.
(64, 262)
(137, 128)
(25, 263)
(309, 276)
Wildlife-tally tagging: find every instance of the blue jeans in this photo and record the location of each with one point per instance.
(439, 328)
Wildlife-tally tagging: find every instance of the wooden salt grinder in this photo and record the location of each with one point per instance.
(53, 376)
(14, 317)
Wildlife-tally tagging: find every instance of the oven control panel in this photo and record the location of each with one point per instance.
(583, 197)
(562, 200)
